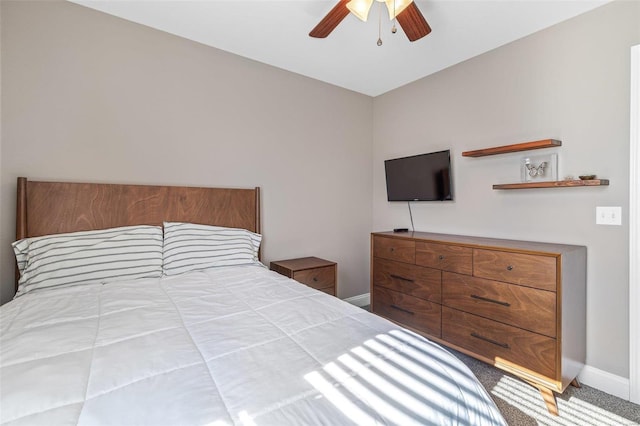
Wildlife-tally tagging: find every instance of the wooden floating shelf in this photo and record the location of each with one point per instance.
(525, 146)
(553, 184)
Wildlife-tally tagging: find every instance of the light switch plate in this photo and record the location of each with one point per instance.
(608, 215)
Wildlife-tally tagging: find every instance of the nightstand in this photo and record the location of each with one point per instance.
(312, 271)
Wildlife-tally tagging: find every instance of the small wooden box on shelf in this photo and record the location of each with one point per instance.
(317, 273)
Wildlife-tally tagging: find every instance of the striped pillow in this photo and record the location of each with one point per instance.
(192, 247)
(89, 257)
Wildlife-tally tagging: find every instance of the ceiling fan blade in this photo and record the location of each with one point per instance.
(331, 21)
(413, 23)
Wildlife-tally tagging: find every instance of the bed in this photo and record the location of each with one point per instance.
(224, 344)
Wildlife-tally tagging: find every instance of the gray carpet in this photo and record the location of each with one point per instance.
(522, 405)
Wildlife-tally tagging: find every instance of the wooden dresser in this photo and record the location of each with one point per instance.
(520, 306)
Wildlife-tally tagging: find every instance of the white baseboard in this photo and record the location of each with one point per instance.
(360, 300)
(606, 382)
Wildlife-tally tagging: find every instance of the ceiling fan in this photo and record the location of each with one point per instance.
(405, 11)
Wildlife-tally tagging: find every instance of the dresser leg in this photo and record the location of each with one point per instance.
(549, 399)
(575, 383)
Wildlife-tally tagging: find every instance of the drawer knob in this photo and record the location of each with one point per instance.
(510, 268)
(441, 257)
(315, 279)
(392, 249)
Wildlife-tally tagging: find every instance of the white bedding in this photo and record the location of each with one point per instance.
(231, 345)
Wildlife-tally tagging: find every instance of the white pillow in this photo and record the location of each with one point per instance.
(193, 247)
(89, 256)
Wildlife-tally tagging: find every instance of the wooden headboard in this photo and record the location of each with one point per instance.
(56, 207)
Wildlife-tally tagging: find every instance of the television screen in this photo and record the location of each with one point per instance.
(425, 177)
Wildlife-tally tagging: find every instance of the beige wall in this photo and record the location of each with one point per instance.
(90, 97)
(569, 82)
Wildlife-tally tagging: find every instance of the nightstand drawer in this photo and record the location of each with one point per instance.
(523, 307)
(409, 279)
(497, 341)
(446, 257)
(314, 272)
(329, 290)
(317, 278)
(407, 310)
(394, 249)
(524, 269)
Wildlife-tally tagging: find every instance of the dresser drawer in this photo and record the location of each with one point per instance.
(524, 269)
(318, 278)
(394, 249)
(413, 280)
(523, 307)
(446, 257)
(496, 341)
(407, 310)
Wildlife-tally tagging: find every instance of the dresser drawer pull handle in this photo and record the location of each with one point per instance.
(398, 277)
(486, 339)
(392, 249)
(315, 279)
(486, 299)
(441, 257)
(402, 310)
(510, 268)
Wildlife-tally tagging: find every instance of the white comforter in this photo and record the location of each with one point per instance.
(233, 345)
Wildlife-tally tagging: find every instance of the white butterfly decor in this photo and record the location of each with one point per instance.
(539, 168)
(535, 170)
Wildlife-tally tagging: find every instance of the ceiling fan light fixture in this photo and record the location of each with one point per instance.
(406, 13)
(360, 8)
(397, 8)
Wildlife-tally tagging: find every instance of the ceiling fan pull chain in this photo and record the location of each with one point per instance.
(393, 28)
(380, 25)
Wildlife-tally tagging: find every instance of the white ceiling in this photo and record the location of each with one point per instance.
(276, 33)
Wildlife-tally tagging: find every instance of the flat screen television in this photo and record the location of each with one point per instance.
(425, 177)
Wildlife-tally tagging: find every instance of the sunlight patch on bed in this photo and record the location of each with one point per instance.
(218, 423)
(246, 419)
(398, 383)
(378, 382)
(347, 407)
(381, 405)
(409, 365)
